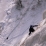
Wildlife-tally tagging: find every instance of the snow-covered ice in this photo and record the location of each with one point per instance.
(16, 23)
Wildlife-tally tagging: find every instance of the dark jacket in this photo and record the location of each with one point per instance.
(31, 29)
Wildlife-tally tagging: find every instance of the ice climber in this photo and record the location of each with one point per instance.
(31, 29)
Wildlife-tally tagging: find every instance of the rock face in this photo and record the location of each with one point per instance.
(38, 38)
(44, 14)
